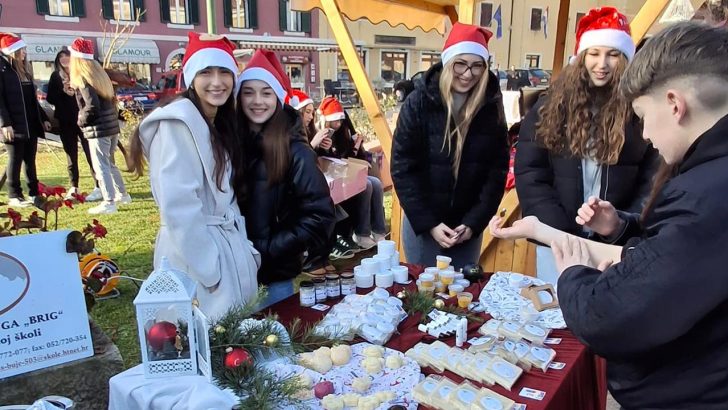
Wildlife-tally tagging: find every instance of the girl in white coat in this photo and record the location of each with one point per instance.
(190, 145)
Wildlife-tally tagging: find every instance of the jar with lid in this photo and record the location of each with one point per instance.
(333, 286)
(348, 284)
(319, 285)
(307, 293)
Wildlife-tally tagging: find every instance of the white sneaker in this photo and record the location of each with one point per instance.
(364, 242)
(18, 203)
(69, 194)
(103, 208)
(124, 199)
(378, 237)
(94, 196)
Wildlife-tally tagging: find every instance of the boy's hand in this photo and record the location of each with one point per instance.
(599, 216)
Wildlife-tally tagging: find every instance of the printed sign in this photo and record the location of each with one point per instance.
(43, 319)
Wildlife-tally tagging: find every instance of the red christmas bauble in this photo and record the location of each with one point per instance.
(236, 357)
(161, 333)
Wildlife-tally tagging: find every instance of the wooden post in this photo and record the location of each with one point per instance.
(561, 26)
(211, 25)
(645, 18)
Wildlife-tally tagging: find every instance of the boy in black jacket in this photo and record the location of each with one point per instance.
(660, 316)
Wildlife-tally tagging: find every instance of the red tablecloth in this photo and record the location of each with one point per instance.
(581, 385)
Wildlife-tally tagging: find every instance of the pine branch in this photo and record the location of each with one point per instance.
(305, 339)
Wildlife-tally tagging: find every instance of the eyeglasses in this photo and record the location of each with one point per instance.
(460, 68)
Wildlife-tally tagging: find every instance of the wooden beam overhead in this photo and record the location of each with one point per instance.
(645, 18)
(561, 27)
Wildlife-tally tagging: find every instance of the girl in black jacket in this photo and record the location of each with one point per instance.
(63, 98)
(98, 118)
(582, 139)
(450, 153)
(286, 201)
(22, 121)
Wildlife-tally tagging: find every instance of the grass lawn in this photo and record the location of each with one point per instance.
(130, 240)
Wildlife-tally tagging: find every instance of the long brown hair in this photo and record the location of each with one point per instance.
(310, 129)
(567, 121)
(21, 67)
(276, 141)
(224, 141)
(458, 123)
(83, 71)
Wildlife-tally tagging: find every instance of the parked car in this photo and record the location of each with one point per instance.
(539, 77)
(137, 98)
(41, 93)
(171, 84)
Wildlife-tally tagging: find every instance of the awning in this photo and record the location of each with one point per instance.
(133, 51)
(425, 14)
(45, 47)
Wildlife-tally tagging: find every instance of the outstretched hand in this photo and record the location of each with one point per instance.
(599, 216)
(572, 251)
(523, 228)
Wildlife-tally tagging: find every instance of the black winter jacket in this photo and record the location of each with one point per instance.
(422, 170)
(13, 110)
(549, 185)
(97, 117)
(66, 107)
(660, 317)
(290, 217)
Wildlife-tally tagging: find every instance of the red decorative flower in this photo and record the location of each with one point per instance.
(99, 231)
(15, 217)
(81, 198)
(68, 203)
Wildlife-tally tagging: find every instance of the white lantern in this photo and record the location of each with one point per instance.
(166, 323)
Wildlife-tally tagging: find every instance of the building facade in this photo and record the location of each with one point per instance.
(160, 35)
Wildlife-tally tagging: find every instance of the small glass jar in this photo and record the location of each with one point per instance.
(319, 285)
(333, 286)
(307, 293)
(348, 284)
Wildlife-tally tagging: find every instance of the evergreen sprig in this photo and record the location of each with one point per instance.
(424, 303)
(305, 339)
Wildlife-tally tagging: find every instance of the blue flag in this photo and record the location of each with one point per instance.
(498, 20)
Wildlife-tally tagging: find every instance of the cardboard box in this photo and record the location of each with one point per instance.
(351, 181)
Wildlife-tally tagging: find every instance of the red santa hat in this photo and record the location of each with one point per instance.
(207, 50)
(10, 43)
(466, 39)
(604, 27)
(82, 48)
(331, 109)
(264, 66)
(298, 99)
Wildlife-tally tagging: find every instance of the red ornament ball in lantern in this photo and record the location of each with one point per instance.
(236, 357)
(161, 333)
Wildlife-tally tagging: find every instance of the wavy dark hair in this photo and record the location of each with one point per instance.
(57, 62)
(566, 116)
(225, 143)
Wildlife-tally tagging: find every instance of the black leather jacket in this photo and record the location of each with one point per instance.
(97, 117)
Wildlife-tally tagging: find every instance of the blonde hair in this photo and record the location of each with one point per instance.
(84, 71)
(463, 118)
(21, 67)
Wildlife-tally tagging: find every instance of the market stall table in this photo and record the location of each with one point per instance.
(580, 385)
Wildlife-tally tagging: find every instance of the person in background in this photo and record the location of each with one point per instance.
(285, 199)
(367, 207)
(194, 160)
(98, 118)
(63, 97)
(22, 121)
(582, 138)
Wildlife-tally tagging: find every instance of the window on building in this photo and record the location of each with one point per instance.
(240, 16)
(428, 60)
(61, 8)
(394, 66)
(240, 13)
(291, 20)
(578, 18)
(486, 14)
(536, 19)
(123, 10)
(178, 12)
(342, 69)
(533, 60)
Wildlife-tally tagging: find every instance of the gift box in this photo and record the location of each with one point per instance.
(345, 177)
